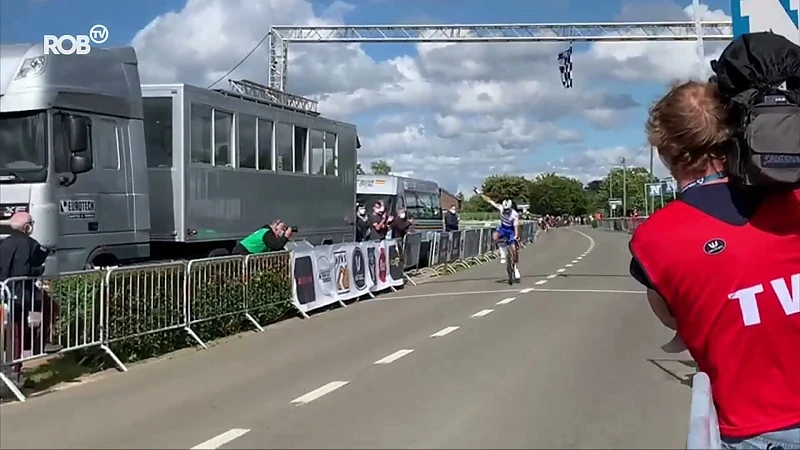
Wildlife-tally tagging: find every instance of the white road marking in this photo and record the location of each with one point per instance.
(574, 261)
(394, 356)
(567, 265)
(441, 294)
(526, 290)
(550, 277)
(222, 439)
(579, 258)
(506, 301)
(540, 282)
(561, 270)
(444, 332)
(482, 313)
(590, 291)
(317, 393)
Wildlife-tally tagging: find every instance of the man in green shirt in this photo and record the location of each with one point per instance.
(269, 238)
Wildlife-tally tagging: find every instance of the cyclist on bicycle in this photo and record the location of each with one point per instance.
(508, 229)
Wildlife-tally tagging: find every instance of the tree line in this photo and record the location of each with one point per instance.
(555, 194)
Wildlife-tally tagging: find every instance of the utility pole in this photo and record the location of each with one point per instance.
(652, 179)
(624, 189)
(610, 192)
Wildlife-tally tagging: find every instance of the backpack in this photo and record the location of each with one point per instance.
(758, 74)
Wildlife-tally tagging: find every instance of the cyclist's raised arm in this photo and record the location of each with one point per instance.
(490, 201)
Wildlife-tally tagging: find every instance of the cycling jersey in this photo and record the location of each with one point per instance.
(509, 218)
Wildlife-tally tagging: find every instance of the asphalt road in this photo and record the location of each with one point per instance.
(570, 358)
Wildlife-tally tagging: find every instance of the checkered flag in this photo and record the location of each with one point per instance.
(565, 66)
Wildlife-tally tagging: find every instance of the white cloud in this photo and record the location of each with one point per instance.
(477, 109)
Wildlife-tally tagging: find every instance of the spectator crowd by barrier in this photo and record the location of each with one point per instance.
(135, 312)
(703, 423)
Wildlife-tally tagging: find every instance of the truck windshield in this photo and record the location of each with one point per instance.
(23, 145)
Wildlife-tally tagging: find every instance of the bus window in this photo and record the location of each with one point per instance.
(369, 200)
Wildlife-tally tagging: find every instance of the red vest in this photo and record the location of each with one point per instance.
(735, 294)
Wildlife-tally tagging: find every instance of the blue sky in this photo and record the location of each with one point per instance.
(28, 20)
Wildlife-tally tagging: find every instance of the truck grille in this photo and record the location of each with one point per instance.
(6, 211)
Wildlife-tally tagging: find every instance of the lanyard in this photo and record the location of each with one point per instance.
(704, 180)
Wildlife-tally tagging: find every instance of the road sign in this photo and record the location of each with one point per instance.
(779, 16)
(615, 202)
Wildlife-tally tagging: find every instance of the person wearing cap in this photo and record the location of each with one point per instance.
(362, 222)
(378, 222)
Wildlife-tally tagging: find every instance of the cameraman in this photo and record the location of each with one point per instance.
(269, 238)
(722, 266)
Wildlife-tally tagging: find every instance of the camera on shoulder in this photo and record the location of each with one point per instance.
(758, 74)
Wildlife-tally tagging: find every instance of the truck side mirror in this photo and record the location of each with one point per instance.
(78, 134)
(79, 164)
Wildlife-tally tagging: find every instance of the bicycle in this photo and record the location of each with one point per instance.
(511, 251)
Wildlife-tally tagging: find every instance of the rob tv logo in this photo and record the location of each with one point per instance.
(81, 44)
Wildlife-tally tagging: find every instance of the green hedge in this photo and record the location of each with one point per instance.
(147, 305)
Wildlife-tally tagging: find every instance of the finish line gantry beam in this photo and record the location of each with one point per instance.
(281, 36)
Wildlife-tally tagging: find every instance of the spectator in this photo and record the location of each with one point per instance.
(451, 219)
(721, 267)
(378, 222)
(269, 238)
(21, 256)
(362, 223)
(401, 224)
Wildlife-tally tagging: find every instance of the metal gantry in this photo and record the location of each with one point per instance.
(281, 36)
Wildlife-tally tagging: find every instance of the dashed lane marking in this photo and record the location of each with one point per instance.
(394, 356)
(482, 313)
(444, 332)
(319, 392)
(221, 439)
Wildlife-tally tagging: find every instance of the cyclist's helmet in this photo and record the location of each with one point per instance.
(507, 205)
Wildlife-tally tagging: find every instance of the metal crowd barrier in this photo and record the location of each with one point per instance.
(621, 224)
(703, 422)
(465, 248)
(44, 316)
(41, 317)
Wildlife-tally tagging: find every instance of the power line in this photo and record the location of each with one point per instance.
(250, 53)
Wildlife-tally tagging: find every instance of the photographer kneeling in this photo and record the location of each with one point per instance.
(722, 264)
(269, 238)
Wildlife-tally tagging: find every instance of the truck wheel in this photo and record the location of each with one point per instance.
(217, 252)
(102, 261)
